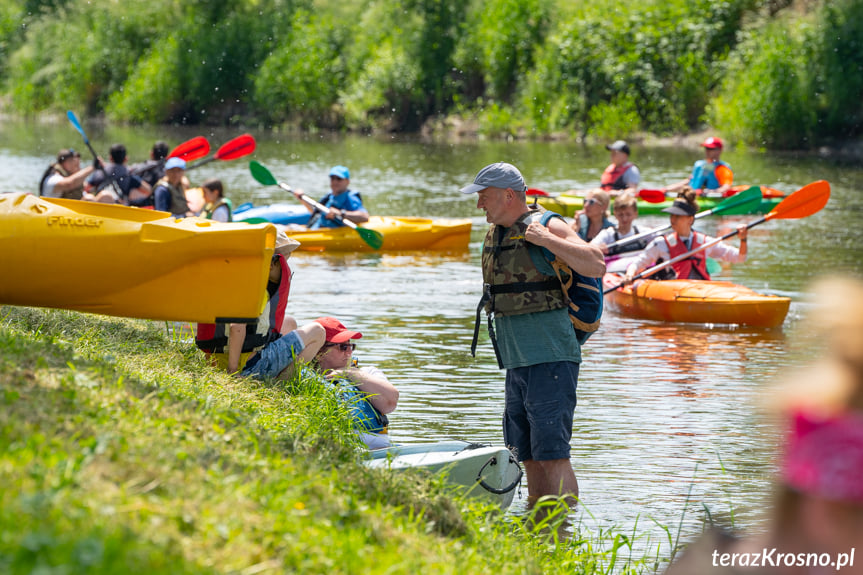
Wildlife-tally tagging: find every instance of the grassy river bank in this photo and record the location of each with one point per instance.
(122, 451)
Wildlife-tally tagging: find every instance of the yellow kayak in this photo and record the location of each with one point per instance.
(130, 262)
(400, 233)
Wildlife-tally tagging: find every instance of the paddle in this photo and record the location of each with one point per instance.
(77, 125)
(650, 196)
(801, 204)
(230, 150)
(191, 150)
(372, 237)
(742, 203)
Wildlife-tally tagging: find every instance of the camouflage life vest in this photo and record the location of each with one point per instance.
(512, 280)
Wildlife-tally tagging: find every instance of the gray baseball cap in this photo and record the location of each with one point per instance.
(499, 175)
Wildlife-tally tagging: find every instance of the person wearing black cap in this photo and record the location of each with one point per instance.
(65, 177)
(685, 239)
(530, 328)
(621, 174)
(710, 175)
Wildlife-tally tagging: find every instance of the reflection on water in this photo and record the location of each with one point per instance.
(655, 400)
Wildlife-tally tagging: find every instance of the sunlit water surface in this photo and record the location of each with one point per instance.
(667, 414)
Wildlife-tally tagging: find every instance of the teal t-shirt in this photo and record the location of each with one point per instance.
(534, 338)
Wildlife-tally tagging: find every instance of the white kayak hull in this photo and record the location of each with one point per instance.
(489, 473)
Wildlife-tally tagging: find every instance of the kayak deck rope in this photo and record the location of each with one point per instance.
(493, 461)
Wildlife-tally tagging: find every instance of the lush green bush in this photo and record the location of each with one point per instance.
(836, 68)
(519, 66)
(80, 53)
(765, 98)
(649, 67)
(500, 38)
(300, 79)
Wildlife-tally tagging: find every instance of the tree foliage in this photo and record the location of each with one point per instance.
(763, 71)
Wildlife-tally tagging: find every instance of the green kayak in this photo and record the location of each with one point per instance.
(568, 205)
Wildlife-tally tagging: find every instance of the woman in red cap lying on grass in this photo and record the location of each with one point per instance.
(366, 390)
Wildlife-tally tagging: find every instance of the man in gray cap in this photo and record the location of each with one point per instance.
(530, 328)
(621, 175)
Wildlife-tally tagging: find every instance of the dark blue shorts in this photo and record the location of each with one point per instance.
(540, 404)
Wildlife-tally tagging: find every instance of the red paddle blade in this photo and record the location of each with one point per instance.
(537, 192)
(191, 150)
(237, 148)
(652, 196)
(803, 203)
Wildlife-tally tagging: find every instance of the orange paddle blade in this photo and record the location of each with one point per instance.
(236, 148)
(192, 150)
(803, 203)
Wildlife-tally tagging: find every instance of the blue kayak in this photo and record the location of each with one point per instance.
(275, 213)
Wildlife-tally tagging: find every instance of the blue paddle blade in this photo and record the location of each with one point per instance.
(77, 125)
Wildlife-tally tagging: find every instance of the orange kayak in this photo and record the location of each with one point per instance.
(695, 301)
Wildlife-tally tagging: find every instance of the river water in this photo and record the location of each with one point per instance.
(667, 414)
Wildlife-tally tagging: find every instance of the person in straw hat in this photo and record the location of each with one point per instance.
(267, 348)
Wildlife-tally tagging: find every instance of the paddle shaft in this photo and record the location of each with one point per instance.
(200, 163)
(317, 205)
(77, 125)
(650, 271)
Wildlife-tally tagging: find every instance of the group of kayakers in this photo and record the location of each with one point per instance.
(159, 183)
(620, 181)
(710, 175)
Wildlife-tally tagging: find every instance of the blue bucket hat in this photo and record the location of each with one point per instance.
(499, 175)
(340, 172)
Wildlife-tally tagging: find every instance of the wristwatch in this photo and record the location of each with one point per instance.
(344, 213)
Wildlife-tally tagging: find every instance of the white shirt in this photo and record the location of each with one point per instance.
(48, 186)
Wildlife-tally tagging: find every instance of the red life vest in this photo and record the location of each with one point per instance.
(213, 337)
(693, 267)
(612, 177)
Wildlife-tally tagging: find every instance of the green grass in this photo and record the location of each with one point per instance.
(122, 451)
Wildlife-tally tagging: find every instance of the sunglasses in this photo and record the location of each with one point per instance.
(589, 201)
(342, 346)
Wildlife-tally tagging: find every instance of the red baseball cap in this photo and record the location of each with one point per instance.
(712, 143)
(336, 331)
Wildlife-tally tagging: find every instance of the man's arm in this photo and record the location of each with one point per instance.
(563, 242)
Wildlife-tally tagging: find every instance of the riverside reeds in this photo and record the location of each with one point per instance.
(122, 451)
